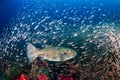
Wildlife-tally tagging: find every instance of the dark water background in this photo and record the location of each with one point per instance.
(23, 13)
(9, 8)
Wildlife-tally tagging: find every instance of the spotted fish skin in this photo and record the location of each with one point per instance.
(50, 53)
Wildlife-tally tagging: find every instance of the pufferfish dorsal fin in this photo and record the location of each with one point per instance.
(46, 46)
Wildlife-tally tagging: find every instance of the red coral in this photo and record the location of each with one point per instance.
(42, 77)
(43, 63)
(61, 77)
(23, 77)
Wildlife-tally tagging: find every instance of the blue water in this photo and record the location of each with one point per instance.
(51, 22)
(9, 8)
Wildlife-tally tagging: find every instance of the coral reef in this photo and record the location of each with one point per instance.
(86, 67)
(13, 72)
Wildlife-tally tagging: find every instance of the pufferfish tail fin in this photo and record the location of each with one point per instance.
(32, 52)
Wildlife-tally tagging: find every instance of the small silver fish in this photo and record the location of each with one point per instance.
(50, 53)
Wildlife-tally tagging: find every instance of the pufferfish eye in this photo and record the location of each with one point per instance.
(65, 53)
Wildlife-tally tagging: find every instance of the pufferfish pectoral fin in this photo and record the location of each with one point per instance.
(31, 52)
(62, 56)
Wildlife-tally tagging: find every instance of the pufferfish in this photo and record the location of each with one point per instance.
(50, 53)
